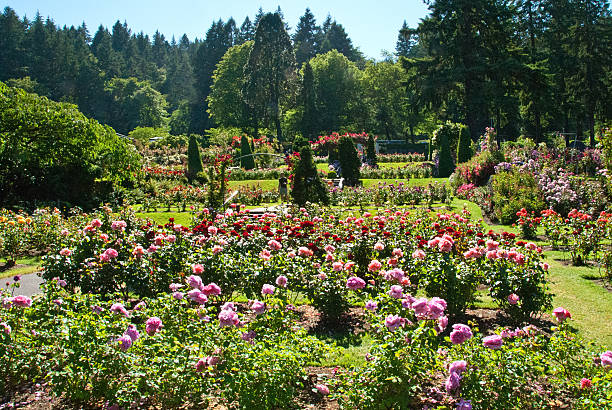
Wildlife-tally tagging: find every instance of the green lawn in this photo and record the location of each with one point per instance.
(265, 184)
(367, 183)
(32, 265)
(576, 289)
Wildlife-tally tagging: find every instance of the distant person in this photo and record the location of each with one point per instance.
(282, 189)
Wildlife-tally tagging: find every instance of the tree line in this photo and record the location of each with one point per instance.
(523, 66)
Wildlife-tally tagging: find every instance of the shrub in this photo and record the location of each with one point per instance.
(513, 191)
(50, 151)
(349, 161)
(246, 158)
(307, 185)
(464, 146)
(194, 159)
(371, 152)
(445, 166)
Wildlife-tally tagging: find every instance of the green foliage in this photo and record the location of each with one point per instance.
(445, 165)
(246, 158)
(146, 134)
(225, 101)
(307, 185)
(464, 146)
(349, 161)
(50, 151)
(194, 159)
(512, 191)
(268, 70)
(336, 84)
(371, 152)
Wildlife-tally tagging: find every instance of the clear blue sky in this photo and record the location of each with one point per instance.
(373, 26)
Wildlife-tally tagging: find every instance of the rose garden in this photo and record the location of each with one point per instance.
(254, 252)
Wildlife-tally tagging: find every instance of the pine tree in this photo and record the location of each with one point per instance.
(349, 161)
(269, 67)
(307, 184)
(305, 38)
(246, 33)
(246, 158)
(371, 152)
(464, 146)
(194, 160)
(403, 45)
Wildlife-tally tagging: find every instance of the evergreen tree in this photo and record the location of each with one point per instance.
(305, 38)
(307, 184)
(246, 33)
(335, 38)
(194, 159)
(403, 45)
(307, 100)
(246, 158)
(371, 152)
(349, 161)
(464, 146)
(12, 33)
(270, 64)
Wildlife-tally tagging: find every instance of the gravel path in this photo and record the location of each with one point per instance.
(29, 284)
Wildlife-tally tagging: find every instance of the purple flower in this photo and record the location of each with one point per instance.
(178, 295)
(396, 292)
(175, 286)
(606, 358)
(420, 307)
(5, 328)
(228, 318)
(197, 296)
(458, 367)
(140, 305)
(493, 342)
(125, 342)
(153, 325)
(258, 307)
(460, 333)
(248, 336)
(119, 308)
(281, 281)
(371, 305)
(393, 322)
(464, 405)
(452, 383)
(194, 281)
(267, 289)
(132, 332)
(355, 283)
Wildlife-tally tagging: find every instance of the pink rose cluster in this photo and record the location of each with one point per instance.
(228, 316)
(354, 283)
(153, 325)
(108, 254)
(561, 314)
(200, 293)
(460, 333)
(429, 309)
(454, 375)
(444, 243)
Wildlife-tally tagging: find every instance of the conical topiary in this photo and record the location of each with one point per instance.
(307, 184)
(194, 160)
(246, 158)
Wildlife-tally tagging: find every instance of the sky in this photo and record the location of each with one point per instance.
(372, 26)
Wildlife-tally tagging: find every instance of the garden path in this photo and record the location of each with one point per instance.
(29, 284)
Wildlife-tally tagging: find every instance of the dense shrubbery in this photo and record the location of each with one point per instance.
(512, 191)
(51, 152)
(161, 333)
